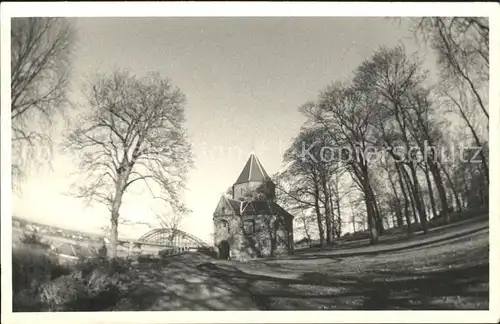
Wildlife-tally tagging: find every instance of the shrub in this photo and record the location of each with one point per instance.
(34, 239)
(78, 292)
(103, 251)
(27, 300)
(108, 266)
(32, 266)
(147, 258)
(93, 284)
(165, 253)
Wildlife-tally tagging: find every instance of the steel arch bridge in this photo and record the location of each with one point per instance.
(171, 237)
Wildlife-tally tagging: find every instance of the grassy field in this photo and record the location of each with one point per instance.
(445, 269)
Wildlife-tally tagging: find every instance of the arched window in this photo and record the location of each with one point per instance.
(225, 225)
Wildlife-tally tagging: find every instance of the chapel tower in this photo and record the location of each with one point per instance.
(253, 182)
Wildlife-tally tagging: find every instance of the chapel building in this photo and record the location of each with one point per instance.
(248, 223)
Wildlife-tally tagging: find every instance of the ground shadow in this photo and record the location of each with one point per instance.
(461, 288)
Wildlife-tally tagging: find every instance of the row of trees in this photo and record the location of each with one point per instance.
(131, 131)
(405, 148)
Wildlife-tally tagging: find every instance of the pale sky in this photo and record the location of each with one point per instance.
(244, 79)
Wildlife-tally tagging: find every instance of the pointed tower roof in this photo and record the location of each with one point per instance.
(253, 171)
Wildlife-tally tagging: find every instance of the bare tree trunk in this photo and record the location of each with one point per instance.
(114, 226)
(438, 180)
(378, 217)
(467, 190)
(123, 174)
(335, 229)
(328, 212)
(372, 227)
(410, 194)
(431, 192)
(113, 236)
(405, 196)
(398, 215)
(369, 201)
(453, 190)
(328, 223)
(418, 199)
(306, 231)
(339, 219)
(318, 214)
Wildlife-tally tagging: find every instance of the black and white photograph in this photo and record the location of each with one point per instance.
(168, 160)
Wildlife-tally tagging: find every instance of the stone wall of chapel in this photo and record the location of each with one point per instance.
(257, 243)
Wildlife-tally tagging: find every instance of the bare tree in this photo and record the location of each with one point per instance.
(133, 132)
(308, 178)
(40, 67)
(297, 204)
(347, 115)
(462, 45)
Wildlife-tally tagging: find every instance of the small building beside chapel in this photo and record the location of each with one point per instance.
(250, 224)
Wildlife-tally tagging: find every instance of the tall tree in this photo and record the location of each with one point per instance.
(398, 80)
(306, 189)
(132, 132)
(347, 115)
(462, 45)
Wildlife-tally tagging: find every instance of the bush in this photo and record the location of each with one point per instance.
(147, 258)
(78, 292)
(32, 266)
(165, 253)
(27, 300)
(31, 269)
(107, 266)
(102, 251)
(34, 239)
(93, 284)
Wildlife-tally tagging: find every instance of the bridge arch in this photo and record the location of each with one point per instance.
(173, 238)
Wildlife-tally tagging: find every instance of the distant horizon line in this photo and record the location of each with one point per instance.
(59, 227)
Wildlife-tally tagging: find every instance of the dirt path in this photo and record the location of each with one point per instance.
(180, 285)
